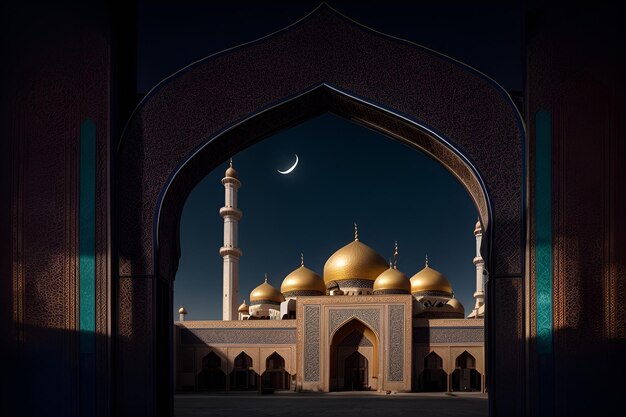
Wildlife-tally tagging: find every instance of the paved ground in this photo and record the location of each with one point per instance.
(329, 405)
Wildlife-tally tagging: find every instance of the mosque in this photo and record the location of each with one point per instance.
(362, 325)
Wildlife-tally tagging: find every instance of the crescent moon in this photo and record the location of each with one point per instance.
(290, 169)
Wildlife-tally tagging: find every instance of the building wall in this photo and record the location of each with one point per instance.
(56, 75)
(448, 338)
(258, 339)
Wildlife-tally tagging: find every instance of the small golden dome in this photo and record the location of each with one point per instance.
(303, 279)
(354, 261)
(392, 279)
(243, 308)
(182, 310)
(265, 292)
(456, 305)
(478, 228)
(429, 279)
(231, 172)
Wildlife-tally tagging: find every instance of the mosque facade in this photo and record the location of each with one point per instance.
(361, 325)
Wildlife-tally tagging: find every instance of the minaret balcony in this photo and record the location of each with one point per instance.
(232, 251)
(231, 212)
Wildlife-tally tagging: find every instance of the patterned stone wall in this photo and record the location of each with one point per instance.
(311, 349)
(448, 334)
(577, 77)
(396, 343)
(338, 317)
(57, 75)
(238, 336)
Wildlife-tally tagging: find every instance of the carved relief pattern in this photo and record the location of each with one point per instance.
(448, 335)
(236, 336)
(312, 343)
(510, 361)
(338, 317)
(396, 343)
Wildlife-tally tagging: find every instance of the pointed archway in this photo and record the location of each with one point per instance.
(354, 358)
(197, 118)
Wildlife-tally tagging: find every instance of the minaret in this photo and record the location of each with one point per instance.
(230, 251)
(182, 312)
(479, 295)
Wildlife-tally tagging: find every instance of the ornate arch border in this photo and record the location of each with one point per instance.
(197, 118)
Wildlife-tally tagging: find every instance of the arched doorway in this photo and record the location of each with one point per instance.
(465, 376)
(355, 373)
(211, 377)
(354, 359)
(275, 375)
(199, 117)
(243, 377)
(433, 378)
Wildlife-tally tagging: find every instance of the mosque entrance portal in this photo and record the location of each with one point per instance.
(354, 347)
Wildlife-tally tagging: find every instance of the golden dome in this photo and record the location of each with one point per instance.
(231, 172)
(303, 279)
(354, 261)
(456, 305)
(265, 292)
(392, 279)
(243, 308)
(182, 310)
(429, 279)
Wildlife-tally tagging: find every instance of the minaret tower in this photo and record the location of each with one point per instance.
(230, 251)
(479, 295)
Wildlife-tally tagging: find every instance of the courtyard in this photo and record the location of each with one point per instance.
(362, 404)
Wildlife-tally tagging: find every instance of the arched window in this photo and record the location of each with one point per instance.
(211, 377)
(433, 378)
(466, 361)
(275, 376)
(243, 361)
(433, 361)
(243, 376)
(211, 361)
(465, 377)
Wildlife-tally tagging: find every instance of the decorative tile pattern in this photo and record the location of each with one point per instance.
(312, 343)
(351, 283)
(238, 336)
(396, 343)
(448, 334)
(338, 317)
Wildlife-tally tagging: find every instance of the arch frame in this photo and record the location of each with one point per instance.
(193, 113)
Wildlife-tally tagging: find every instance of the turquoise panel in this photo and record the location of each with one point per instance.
(543, 230)
(87, 227)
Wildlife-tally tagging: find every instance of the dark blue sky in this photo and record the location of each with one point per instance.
(346, 174)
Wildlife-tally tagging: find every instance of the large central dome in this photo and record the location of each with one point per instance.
(354, 261)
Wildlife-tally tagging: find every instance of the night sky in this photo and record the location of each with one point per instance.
(346, 172)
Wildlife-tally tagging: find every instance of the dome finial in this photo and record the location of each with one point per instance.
(266, 277)
(395, 255)
(426, 259)
(356, 233)
(231, 162)
(301, 259)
